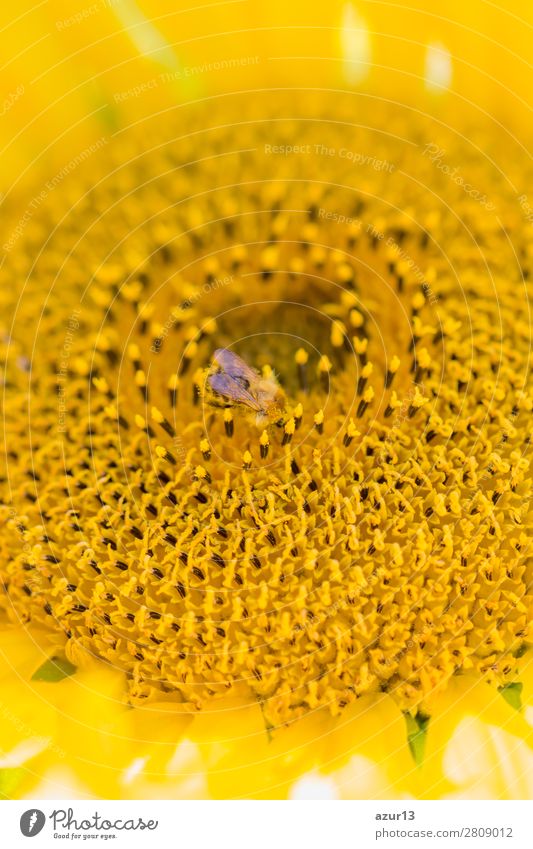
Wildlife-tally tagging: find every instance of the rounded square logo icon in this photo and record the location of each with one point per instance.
(32, 822)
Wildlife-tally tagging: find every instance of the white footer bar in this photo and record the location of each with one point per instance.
(268, 825)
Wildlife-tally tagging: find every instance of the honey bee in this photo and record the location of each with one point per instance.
(237, 384)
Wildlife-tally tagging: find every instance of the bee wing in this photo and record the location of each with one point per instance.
(229, 387)
(232, 365)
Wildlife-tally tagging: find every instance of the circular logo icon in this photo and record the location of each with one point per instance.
(32, 822)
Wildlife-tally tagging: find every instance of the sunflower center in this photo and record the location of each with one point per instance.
(374, 541)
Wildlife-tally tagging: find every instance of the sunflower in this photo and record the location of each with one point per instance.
(335, 602)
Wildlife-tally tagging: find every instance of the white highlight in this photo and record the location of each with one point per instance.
(145, 36)
(438, 71)
(23, 752)
(313, 786)
(355, 44)
(133, 770)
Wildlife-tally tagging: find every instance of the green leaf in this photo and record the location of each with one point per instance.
(521, 650)
(10, 780)
(512, 694)
(54, 670)
(417, 728)
(268, 725)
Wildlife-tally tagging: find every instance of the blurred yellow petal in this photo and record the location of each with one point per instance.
(367, 753)
(95, 728)
(72, 75)
(244, 757)
(476, 744)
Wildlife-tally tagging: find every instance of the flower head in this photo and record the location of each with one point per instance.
(372, 543)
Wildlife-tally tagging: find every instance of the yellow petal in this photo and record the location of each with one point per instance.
(367, 753)
(478, 746)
